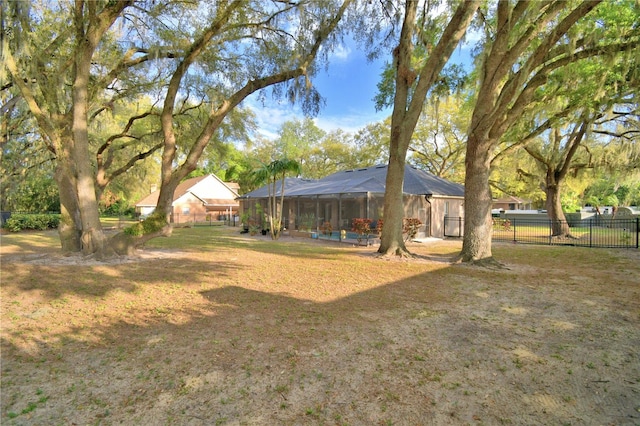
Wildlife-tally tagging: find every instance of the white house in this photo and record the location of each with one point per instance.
(196, 198)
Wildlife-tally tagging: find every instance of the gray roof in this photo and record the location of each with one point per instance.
(369, 179)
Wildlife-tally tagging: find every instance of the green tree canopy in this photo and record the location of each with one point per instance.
(70, 64)
(527, 45)
(438, 143)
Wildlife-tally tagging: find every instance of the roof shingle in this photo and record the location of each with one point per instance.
(369, 179)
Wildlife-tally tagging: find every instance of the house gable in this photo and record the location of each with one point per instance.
(211, 187)
(207, 192)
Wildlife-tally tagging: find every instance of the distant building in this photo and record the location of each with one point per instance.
(346, 195)
(195, 198)
(512, 203)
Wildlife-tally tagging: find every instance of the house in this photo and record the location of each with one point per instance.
(346, 195)
(196, 199)
(511, 203)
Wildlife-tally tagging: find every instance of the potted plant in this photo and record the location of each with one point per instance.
(244, 219)
(327, 229)
(254, 227)
(306, 221)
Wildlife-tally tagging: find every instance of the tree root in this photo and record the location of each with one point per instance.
(398, 253)
(127, 245)
(488, 262)
(564, 236)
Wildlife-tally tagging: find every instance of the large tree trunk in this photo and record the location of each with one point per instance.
(165, 198)
(478, 226)
(70, 228)
(504, 93)
(76, 174)
(410, 93)
(391, 241)
(559, 225)
(93, 238)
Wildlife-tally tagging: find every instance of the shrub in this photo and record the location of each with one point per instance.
(327, 228)
(254, 227)
(362, 227)
(573, 219)
(153, 223)
(119, 208)
(410, 227)
(19, 222)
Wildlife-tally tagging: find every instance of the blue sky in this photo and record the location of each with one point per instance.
(348, 86)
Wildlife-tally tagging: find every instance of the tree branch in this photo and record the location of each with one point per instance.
(103, 179)
(252, 86)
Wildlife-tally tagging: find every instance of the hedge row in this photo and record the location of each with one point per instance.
(19, 222)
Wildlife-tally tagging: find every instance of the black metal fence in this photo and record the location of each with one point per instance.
(613, 233)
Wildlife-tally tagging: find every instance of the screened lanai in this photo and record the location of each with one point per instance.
(359, 193)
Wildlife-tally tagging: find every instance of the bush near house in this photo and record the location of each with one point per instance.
(40, 222)
(410, 226)
(362, 227)
(326, 228)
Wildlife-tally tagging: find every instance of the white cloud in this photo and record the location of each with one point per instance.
(341, 52)
(271, 114)
(350, 122)
(271, 117)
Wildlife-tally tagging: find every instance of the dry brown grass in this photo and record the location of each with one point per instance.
(213, 327)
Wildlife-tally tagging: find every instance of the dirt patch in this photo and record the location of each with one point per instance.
(231, 329)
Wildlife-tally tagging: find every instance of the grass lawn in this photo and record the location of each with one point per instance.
(214, 327)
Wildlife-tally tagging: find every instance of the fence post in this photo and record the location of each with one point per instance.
(637, 231)
(590, 232)
(459, 226)
(515, 237)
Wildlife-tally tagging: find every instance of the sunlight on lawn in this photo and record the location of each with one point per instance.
(29, 242)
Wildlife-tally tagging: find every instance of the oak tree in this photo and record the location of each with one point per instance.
(437, 36)
(525, 44)
(177, 53)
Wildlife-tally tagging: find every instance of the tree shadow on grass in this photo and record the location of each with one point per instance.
(52, 281)
(30, 242)
(444, 345)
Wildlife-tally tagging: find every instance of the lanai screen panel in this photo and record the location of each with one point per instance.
(352, 206)
(328, 210)
(376, 205)
(307, 218)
